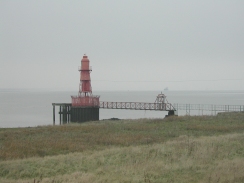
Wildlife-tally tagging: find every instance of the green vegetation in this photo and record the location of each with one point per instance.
(175, 149)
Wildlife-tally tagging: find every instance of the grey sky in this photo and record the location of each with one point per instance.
(132, 44)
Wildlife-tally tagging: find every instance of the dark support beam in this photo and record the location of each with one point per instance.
(64, 112)
(60, 115)
(67, 114)
(69, 107)
(53, 114)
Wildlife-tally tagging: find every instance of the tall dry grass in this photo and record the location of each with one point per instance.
(183, 159)
(54, 140)
(177, 149)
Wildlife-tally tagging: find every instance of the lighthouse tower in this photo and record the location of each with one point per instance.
(85, 97)
(85, 88)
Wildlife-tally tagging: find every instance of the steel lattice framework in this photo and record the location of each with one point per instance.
(137, 106)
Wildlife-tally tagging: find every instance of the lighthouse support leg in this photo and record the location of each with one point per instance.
(53, 114)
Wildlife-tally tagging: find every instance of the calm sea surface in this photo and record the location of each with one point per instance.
(32, 108)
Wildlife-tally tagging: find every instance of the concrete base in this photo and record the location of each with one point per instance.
(171, 113)
(83, 114)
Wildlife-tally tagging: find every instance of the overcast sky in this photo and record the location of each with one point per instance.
(131, 44)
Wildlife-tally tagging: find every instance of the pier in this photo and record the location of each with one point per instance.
(67, 113)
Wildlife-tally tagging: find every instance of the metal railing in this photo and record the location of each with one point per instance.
(137, 106)
(209, 107)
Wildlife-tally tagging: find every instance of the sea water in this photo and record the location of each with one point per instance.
(24, 108)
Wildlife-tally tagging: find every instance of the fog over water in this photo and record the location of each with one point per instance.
(34, 108)
(132, 45)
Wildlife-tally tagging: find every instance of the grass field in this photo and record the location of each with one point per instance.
(176, 149)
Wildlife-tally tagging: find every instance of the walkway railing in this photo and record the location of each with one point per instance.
(209, 107)
(137, 106)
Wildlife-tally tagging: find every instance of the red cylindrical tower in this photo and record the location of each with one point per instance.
(85, 79)
(85, 97)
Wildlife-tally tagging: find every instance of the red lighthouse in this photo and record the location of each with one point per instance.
(85, 79)
(85, 97)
